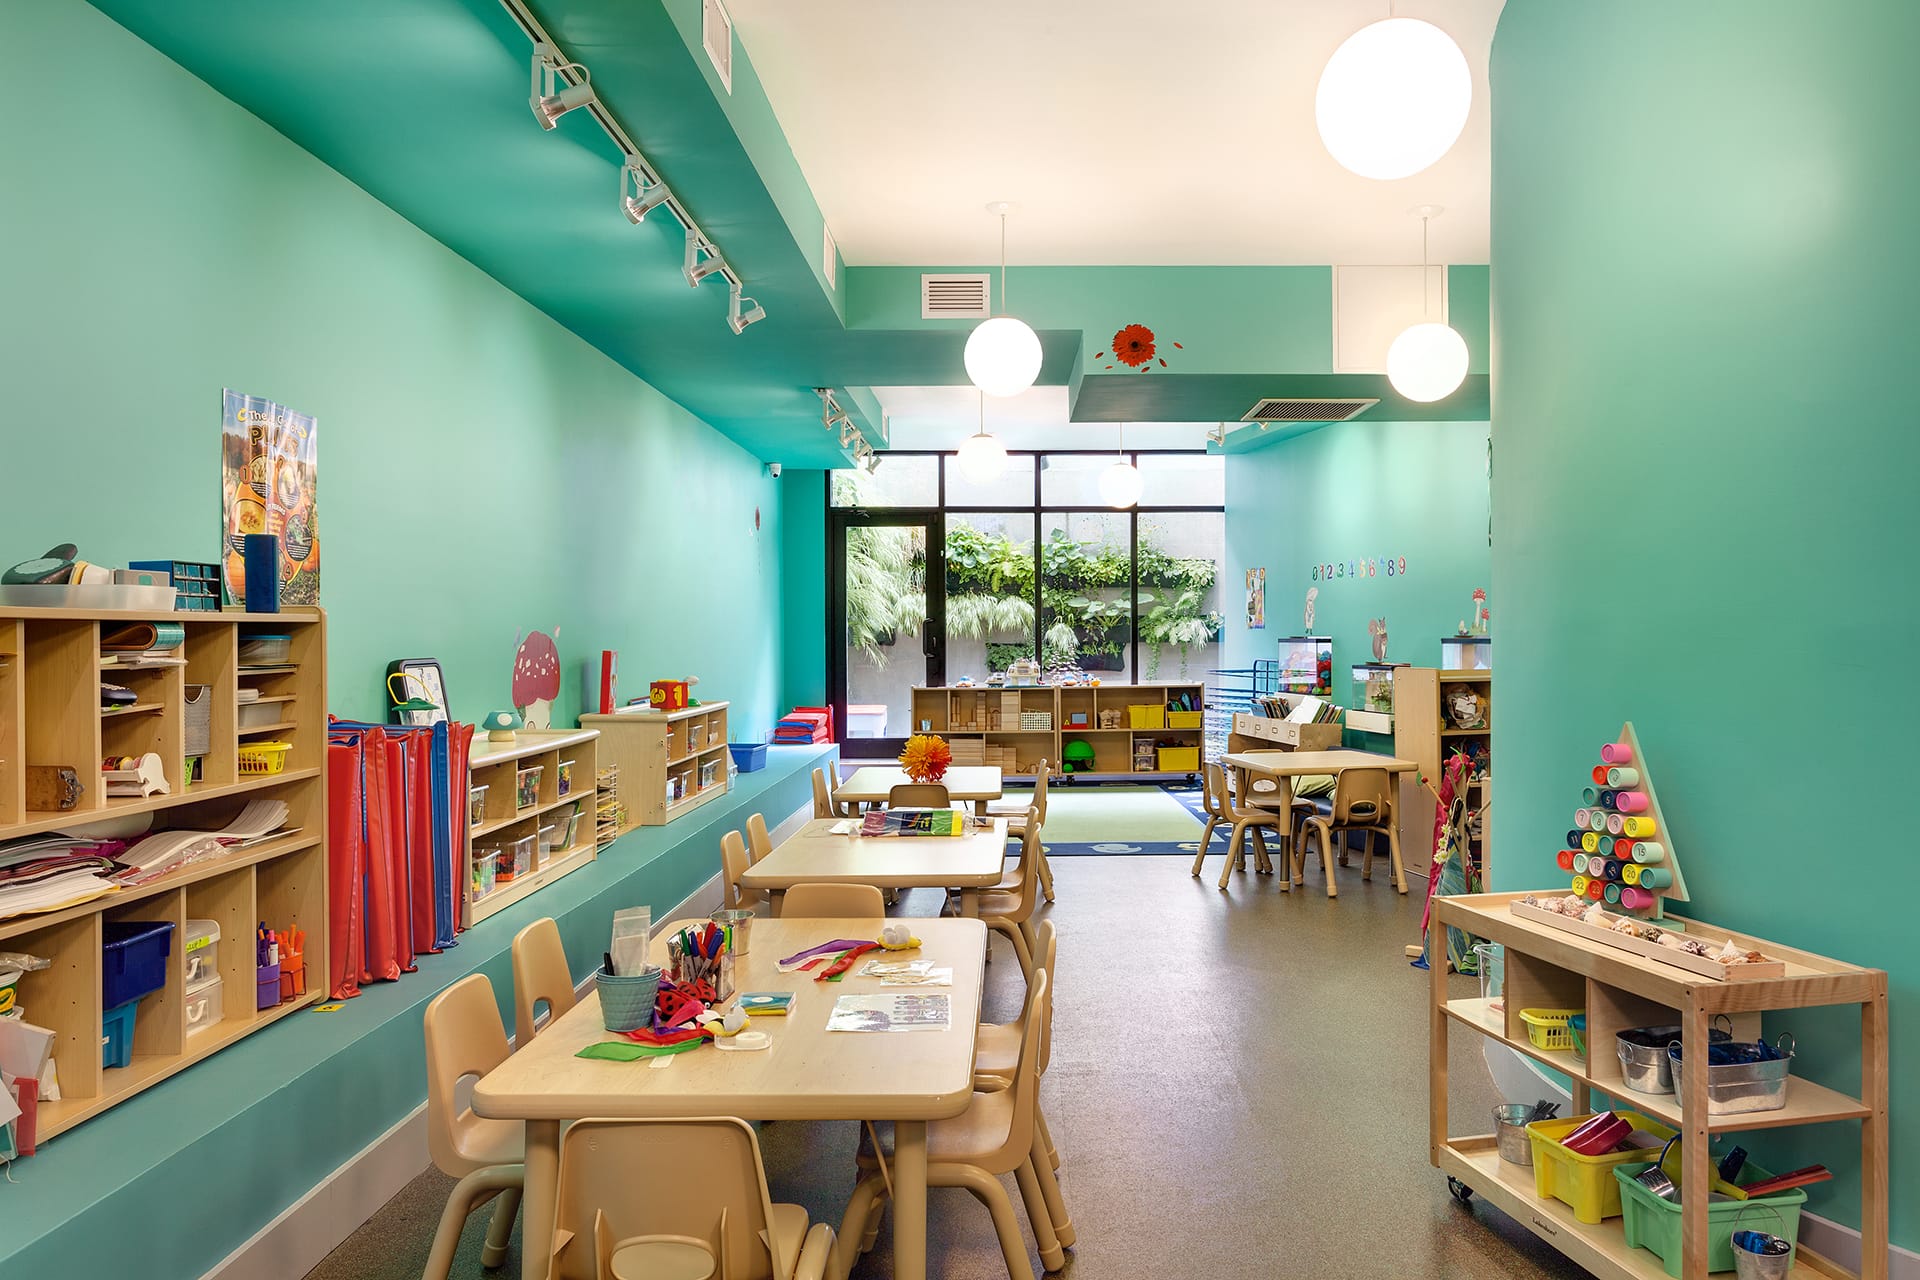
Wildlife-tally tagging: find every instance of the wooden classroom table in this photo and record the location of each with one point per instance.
(1287, 765)
(871, 784)
(815, 855)
(809, 1073)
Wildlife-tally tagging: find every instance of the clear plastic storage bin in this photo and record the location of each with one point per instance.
(202, 950)
(205, 1004)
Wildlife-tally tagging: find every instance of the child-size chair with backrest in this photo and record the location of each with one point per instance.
(993, 1136)
(1362, 801)
(664, 1199)
(833, 902)
(540, 976)
(824, 804)
(1244, 817)
(919, 795)
(996, 1054)
(1016, 815)
(465, 1040)
(733, 865)
(759, 843)
(1011, 911)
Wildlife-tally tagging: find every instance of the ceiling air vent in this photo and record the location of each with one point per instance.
(1277, 410)
(961, 297)
(716, 36)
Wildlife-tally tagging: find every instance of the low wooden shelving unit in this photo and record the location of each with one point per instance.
(51, 667)
(1423, 734)
(971, 714)
(1548, 968)
(670, 762)
(496, 766)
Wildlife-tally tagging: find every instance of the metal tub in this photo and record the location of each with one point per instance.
(1738, 1087)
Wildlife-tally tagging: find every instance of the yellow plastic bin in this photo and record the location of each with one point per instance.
(1585, 1183)
(1139, 717)
(1186, 719)
(1179, 759)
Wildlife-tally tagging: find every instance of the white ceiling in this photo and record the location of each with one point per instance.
(1124, 134)
(940, 417)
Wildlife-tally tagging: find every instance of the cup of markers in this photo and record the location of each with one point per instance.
(700, 953)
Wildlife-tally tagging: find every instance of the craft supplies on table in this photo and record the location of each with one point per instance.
(913, 822)
(899, 1012)
(632, 935)
(738, 924)
(1585, 1182)
(698, 954)
(768, 1004)
(627, 1000)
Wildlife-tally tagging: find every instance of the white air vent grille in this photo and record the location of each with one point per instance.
(716, 36)
(956, 297)
(1279, 410)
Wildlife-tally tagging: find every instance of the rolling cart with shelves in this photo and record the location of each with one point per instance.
(1547, 967)
(51, 665)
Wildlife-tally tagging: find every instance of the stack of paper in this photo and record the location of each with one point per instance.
(47, 873)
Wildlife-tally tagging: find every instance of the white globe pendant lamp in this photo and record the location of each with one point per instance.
(1393, 98)
(1120, 483)
(982, 458)
(1428, 361)
(1003, 353)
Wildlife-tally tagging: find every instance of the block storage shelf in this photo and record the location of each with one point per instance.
(1620, 989)
(670, 763)
(1423, 734)
(991, 718)
(496, 766)
(50, 668)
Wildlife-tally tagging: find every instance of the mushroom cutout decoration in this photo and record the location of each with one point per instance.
(536, 678)
(500, 726)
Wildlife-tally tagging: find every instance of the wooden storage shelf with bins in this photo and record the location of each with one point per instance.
(670, 763)
(564, 794)
(51, 666)
(1423, 733)
(967, 714)
(1548, 968)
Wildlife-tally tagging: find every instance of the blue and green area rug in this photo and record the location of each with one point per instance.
(1139, 821)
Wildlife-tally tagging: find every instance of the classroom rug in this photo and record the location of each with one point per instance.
(1127, 820)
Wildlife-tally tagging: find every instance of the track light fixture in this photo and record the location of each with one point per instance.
(640, 194)
(739, 314)
(702, 260)
(551, 98)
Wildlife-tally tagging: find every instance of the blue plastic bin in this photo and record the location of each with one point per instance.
(135, 960)
(748, 756)
(116, 1035)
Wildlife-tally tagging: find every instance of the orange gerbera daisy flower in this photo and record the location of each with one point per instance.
(926, 757)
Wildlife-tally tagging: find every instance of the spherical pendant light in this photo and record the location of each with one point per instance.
(983, 459)
(1120, 484)
(1393, 99)
(1003, 356)
(1427, 362)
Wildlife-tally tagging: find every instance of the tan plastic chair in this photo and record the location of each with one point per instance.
(465, 1040)
(677, 1200)
(1362, 801)
(993, 1136)
(1244, 818)
(919, 795)
(733, 865)
(833, 902)
(540, 976)
(1011, 912)
(1016, 815)
(824, 804)
(1213, 802)
(759, 843)
(996, 1054)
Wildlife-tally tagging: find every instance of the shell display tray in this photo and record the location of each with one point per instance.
(1701, 965)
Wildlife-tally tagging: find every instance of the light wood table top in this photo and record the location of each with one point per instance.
(870, 784)
(1294, 764)
(815, 855)
(810, 1073)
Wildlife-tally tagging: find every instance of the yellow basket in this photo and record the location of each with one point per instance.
(1146, 717)
(257, 758)
(1585, 1183)
(1547, 1028)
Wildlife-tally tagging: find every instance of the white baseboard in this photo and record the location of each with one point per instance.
(316, 1224)
(1841, 1244)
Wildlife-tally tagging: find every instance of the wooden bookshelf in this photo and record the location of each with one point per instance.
(670, 763)
(571, 802)
(992, 717)
(1423, 734)
(51, 666)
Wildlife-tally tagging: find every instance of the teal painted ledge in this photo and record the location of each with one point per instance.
(172, 1181)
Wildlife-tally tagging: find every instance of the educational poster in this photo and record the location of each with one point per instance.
(1256, 598)
(268, 476)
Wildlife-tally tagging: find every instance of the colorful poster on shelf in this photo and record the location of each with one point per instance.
(1256, 598)
(268, 478)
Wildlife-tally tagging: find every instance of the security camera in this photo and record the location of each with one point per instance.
(773, 469)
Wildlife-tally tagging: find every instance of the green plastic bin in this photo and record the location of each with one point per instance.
(1653, 1224)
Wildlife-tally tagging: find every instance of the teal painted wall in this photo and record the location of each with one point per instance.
(1346, 493)
(803, 570)
(1702, 284)
(482, 470)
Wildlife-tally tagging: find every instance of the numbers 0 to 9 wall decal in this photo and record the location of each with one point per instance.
(1385, 566)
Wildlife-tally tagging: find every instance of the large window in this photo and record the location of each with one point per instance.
(1037, 565)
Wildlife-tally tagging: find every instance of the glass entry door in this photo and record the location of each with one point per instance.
(885, 579)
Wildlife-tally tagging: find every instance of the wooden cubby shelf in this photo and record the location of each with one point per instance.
(51, 666)
(990, 716)
(670, 763)
(1620, 989)
(496, 766)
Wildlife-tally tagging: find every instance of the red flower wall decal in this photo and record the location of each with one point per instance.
(1135, 346)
